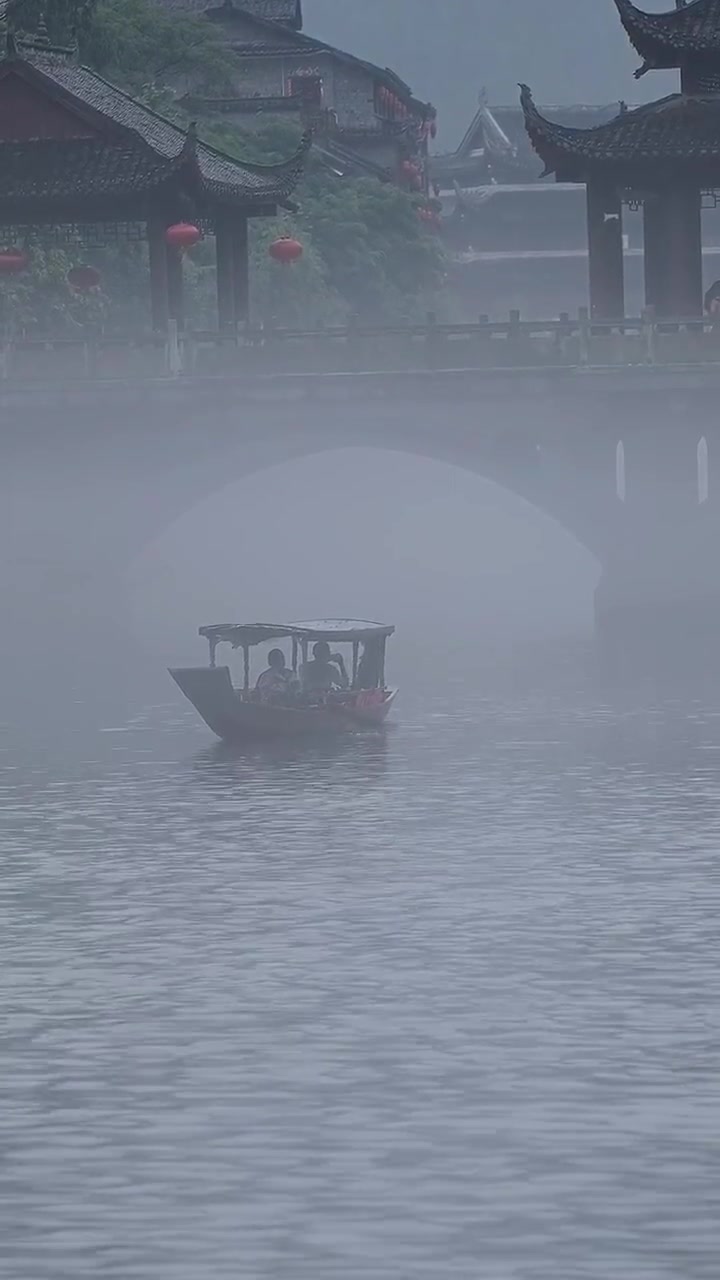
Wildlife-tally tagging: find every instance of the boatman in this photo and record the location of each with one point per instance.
(325, 672)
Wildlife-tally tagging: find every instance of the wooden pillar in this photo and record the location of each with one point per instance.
(157, 253)
(241, 269)
(225, 270)
(654, 252)
(672, 222)
(684, 249)
(605, 248)
(176, 306)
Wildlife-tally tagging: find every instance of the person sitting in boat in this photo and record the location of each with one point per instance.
(278, 679)
(325, 672)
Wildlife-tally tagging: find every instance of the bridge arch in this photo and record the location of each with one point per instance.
(564, 470)
(382, 532)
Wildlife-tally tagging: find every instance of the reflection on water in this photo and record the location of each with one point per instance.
(437, 1003)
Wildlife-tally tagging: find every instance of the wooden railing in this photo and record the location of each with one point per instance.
(566, 342)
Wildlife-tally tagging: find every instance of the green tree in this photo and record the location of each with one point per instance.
(141, 46)
(376, 258)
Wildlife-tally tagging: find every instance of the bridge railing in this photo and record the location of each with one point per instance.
(564, 342)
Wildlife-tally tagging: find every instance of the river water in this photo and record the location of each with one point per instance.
(444, 1003)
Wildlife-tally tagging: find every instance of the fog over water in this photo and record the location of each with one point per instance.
(438, 1002)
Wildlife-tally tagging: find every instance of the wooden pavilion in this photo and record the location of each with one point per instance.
(664, 156)
(79, 154)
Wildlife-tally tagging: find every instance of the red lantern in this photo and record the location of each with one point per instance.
(182, 236)
(286, 250)
(12, 261)
(83, 279)
(433, 128)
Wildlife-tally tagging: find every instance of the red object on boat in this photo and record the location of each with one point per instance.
(182, 235)
(84, 278)
(286, 250)
(12, 261)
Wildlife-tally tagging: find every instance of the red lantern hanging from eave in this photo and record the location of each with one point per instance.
(82, 279)
(182, 236)
(433, 128)
(285, 250)
(12, 261)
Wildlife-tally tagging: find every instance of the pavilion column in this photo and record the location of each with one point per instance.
(157, 252)
(176, 302)
(672, 223)
(225, 270)
(241, 268)
(684, 250)
(605, 248)
(654, 252)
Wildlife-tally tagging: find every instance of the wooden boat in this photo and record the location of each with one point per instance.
(247, 713)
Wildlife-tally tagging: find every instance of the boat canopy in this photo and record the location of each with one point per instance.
(340, 630)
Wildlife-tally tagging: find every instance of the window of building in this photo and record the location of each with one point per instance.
(309, 88)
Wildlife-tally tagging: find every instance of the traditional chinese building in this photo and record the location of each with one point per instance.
(365, 118)
(496, 149)
(79, 155)
(663, 157)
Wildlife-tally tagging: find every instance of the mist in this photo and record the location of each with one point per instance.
(570, 51)
(453, 560)
(394, 958)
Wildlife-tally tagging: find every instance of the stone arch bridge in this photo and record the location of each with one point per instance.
(623, 459)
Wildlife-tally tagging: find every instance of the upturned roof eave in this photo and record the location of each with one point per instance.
(622, 146)
(181, 148)
(661, 39)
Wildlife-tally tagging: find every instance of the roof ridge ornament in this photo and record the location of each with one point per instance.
(191, 140)
(41, 31)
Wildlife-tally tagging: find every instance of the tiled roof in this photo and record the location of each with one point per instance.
(662, 39)
(681, 130)
(76, 169)
(286, 12)
(264, 49)
(141, 149)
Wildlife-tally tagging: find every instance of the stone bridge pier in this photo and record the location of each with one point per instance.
(658, 599)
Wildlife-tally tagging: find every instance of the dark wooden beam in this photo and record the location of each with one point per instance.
(654, 252)
(684, 251)
(672, 223)
(241, 269)
(176, 302)
(157, 253)
(225, 269)
(605, 248)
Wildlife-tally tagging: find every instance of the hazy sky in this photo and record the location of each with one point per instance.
(567, 50)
